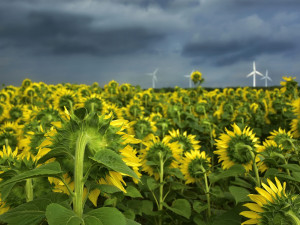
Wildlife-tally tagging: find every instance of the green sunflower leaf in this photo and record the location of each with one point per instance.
(235, 170)
(131, 222)
(106, 216)
(58, 215)
(113, 161)
(292, 167)
(133, 192)
(33, 212)
(181, 207)
(48, 170)
(240, 194)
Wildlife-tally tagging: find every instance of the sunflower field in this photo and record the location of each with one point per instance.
(119, 155)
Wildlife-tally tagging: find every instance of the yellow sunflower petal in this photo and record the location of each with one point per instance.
(250, 214)
(254, 207)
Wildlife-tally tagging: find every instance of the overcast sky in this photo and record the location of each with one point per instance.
(86, 41)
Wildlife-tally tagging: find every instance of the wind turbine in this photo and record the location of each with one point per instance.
(154, 78)
(253, 73)
(190, 79)
(266, 78)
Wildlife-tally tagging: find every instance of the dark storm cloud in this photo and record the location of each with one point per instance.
(46, 32)
(222, 53)
(164, 4)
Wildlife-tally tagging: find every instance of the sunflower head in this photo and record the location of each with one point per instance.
(194, 165)
(159, 150)
(163, 125)
(196, 77)
(143, 128)
(16, 112)
(93, 103)
(295, 127)
(271, 155)
(64, 98)
(200, 108)
(8, 155)
(124, 88)
(283, 138)
(159, 108)
(289, 86)
(26, 83)
(134, 110)
(187, 142)
(272, 205)
(237, 147)
(97, 133)
(46, 116)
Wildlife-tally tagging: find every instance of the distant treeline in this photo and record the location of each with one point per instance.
(172, 89)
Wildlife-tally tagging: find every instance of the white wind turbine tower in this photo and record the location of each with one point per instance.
(154, 78)
(254, 73)
(266, 78)
(190, 79)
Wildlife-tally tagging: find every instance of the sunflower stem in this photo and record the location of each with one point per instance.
(255, 169)
(78, 174)
(29, 190)
(206, 191)
(291, 215)
(161, 186)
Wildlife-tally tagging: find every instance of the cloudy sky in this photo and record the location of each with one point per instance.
(86, 41)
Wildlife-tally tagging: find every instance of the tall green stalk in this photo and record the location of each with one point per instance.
(161, 186)
(255, 169)
(207, 191)
(78, 174)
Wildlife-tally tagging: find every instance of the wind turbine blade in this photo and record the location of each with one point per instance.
(155, 71)
(250, 74)
(259, 73)
(269, 78)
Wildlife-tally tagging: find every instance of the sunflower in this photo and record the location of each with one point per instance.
(159, 108)
(12, 127)
(142, 128)
(196, 76)
(17, 112)
(64, 98)
(187, 142)
(268, 153)
(154, 117)
(163, 125)
(200, 108)
(9, 139)
(134, 110)
(295, 124)
(194, 164)
(109, 108)
(26, 83)
(237, 147)
(89, 135)
(94, 102)
(4, 97)
(281, 137)
(157, 150)
(295, 127)
(272, 205)
(125, 88)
